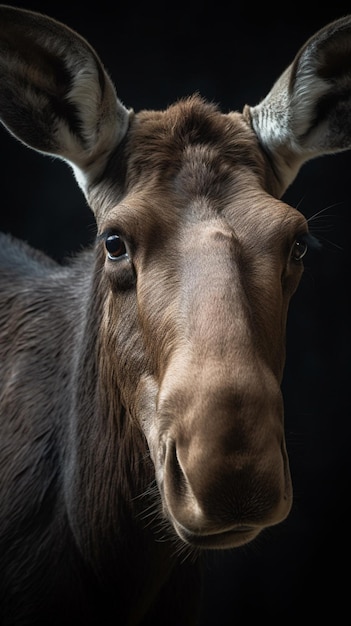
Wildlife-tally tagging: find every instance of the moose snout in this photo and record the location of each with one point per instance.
(225, 472)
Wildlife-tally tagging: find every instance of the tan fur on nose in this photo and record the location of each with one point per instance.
(225, 466)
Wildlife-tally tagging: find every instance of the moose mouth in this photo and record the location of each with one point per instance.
(225, 539)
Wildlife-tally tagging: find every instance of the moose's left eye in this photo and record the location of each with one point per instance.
(115, 247)
(299, 249)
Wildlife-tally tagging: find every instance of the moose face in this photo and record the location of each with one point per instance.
(207, 261)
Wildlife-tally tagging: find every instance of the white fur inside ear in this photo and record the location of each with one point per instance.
(104, 123)
(308, 89)
(284, 116)
(92, 107)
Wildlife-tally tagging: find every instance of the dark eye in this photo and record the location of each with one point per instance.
(299, 249)
(115, 247)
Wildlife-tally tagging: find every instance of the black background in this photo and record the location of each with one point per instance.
(232, 54)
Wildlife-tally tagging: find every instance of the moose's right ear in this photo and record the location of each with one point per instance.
(55, 95)
(307, 113)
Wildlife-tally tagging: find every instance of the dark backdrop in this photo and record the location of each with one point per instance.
(155, 54)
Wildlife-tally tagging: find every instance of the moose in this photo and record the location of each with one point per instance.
(141, 411)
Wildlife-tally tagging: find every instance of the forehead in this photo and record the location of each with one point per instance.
(192, 144)
(193, 162)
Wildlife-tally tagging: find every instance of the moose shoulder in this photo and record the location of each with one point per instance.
(141, 416)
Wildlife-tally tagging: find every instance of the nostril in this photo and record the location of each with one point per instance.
(176, 478)
(180, 499)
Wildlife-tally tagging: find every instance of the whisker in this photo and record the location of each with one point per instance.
(322, 212)
(322, 222)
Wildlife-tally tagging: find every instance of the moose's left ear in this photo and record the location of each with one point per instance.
(308, 111)
(55, 95)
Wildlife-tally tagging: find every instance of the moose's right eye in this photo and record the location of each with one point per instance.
(115, 247)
